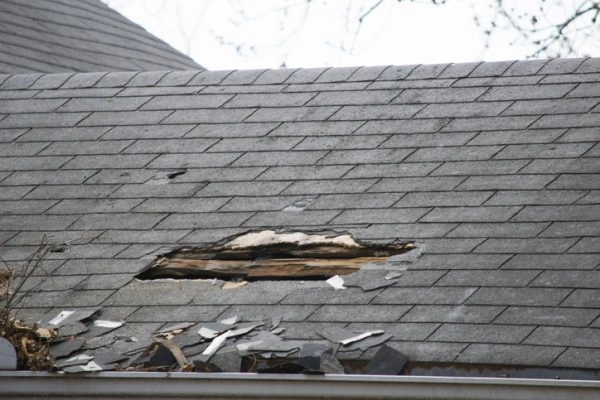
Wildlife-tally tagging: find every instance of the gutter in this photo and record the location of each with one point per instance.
(145, 385)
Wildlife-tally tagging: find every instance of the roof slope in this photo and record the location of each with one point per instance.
(78, 36)
(493, 168)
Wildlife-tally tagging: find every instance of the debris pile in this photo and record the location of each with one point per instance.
(79, 341)
(30, 343)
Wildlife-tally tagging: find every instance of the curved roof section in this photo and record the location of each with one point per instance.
(492, 168)
(78, 36)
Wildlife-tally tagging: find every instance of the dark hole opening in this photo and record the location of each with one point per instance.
(269, 255)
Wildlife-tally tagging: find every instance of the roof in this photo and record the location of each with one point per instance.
(491, 168)
(79, 36)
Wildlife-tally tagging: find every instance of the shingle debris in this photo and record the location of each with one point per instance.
(201, 347)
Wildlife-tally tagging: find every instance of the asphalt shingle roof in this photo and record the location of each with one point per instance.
(492, 168)
(78, 36)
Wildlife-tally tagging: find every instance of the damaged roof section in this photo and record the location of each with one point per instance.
(271, 255)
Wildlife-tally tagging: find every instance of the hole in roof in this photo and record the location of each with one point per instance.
(272, 255)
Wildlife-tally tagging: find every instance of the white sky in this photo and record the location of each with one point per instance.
(290, 31)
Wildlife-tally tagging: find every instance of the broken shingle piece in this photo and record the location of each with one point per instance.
(367, 343)
(66, 317)
(370, 279)
(346, 337)
(66, 348)
(175, 328)
(387, 361)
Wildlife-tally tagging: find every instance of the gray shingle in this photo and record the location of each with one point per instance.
(170, 146)
(188, 205)
(562, 336)
(41, 120)
(535, 197)
(258, 203)
(282, 218)
(547, 316)
(146, 78)
(428, 139)
(284, 114)
(102, 118)
(461, 261)
(205, 116)
(562, 106)
(372, 97)
(583, 298)
(185, 102)
(448, 95)
(457, 314)
(142, 237)
(358, 200)
(435, 199)
(269, 100)
(578, 358)
(71, 191)
(567, 120)
(305, 75)
(454, 153)
(489, 124)
(30, 105)
(87, 147)
(308, 187)
(407, 231)
(557, 261)
(108, 161)
(455, 110)
(570, 229)
(515, 137)
(507, 354)
(527, 67)
(391, 170)
(491, 68)
(481, 333)
(304, 172)
(487, 167)
(519, 296)
(117, 221)
(232, 130)
(403, 126)
(558, 213)
(568, 279)
(566, 150)
(93, 206)
(243, 188)
(154, 190)
(434, 295)
(194, 160)
(199, 220)
(470, 214)
(527, 92)
(177, 78)
(63, 134)
(376, 112)
(255, 144)
(365, 156)
(393, 216)
(415, 184)
(506, 182)
(488, 278)
(103, 104)
(315, 128)
(561, 65)
(358, 313)
(275, 158)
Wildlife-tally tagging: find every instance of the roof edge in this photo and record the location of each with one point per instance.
(24, 384)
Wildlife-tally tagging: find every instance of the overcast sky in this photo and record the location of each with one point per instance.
(237, 34)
